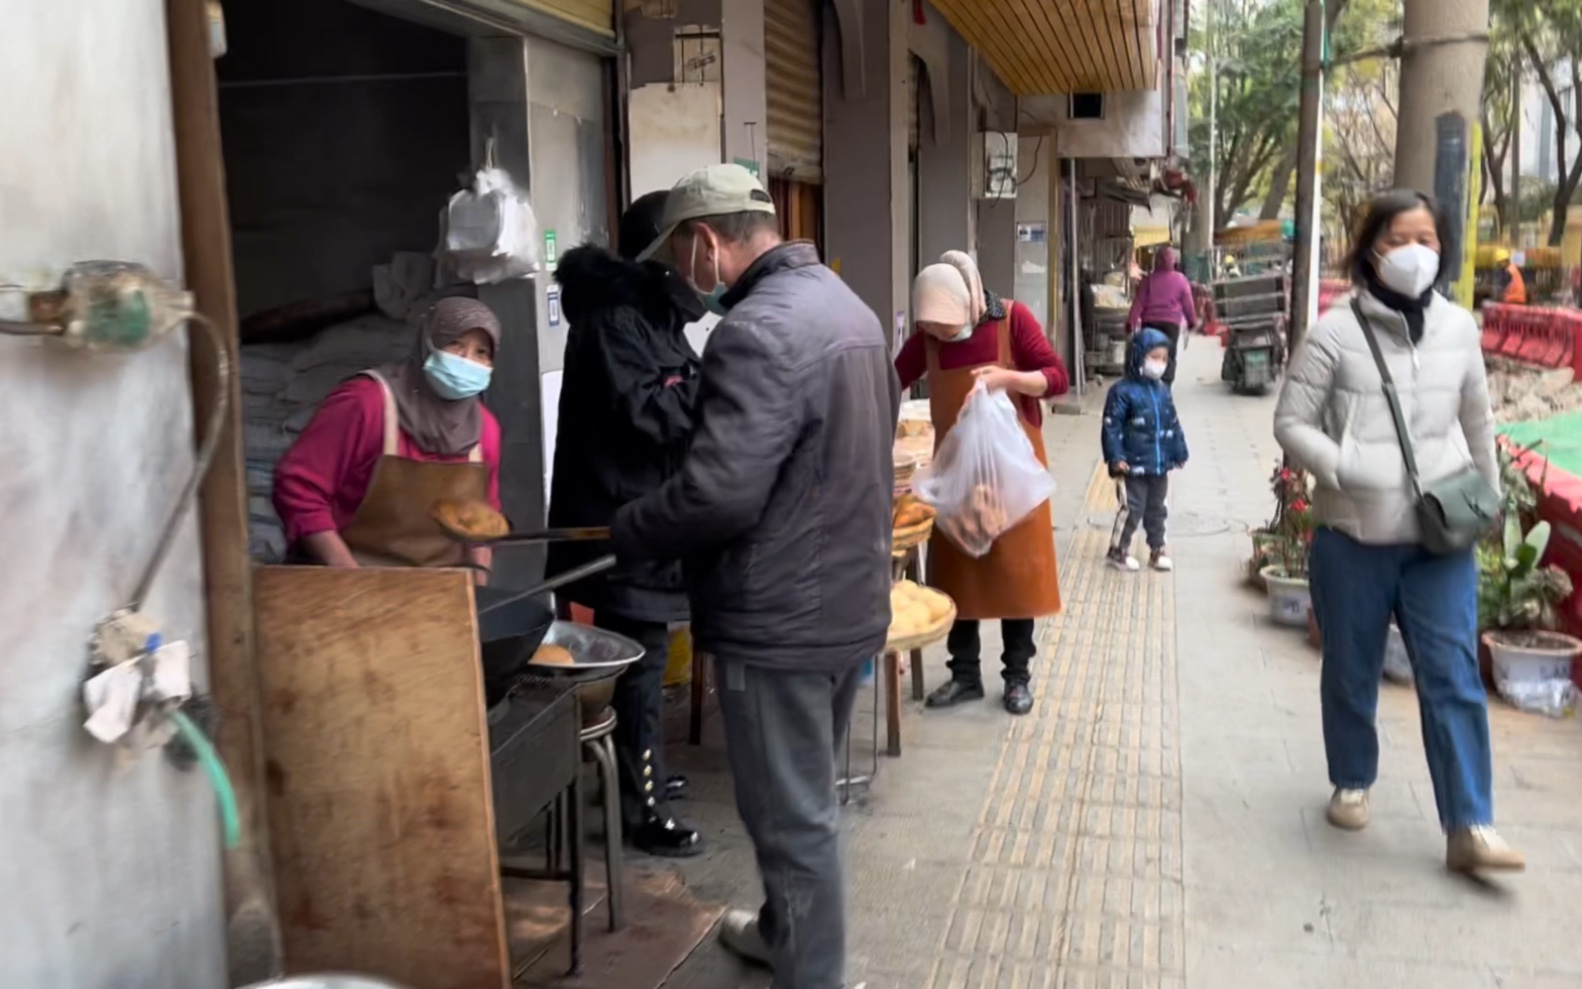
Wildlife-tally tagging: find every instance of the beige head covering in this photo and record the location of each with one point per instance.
(963, 263)
(940, 295)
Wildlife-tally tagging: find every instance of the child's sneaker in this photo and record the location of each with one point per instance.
(1119, 559)
(1160, 561)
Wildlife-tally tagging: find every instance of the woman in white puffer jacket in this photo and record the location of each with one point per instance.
(1368, 563)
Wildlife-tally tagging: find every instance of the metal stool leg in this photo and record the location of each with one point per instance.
(574, 833)
(604, 755)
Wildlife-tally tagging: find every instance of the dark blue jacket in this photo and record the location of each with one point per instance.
(1140, 422)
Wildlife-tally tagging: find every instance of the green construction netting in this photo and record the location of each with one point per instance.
(1558, 438)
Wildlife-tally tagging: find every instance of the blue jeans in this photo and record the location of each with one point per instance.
(1356, 589)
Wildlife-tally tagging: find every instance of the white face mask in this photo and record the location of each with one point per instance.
(1155, 369)
(1409, 270)
(963, 336)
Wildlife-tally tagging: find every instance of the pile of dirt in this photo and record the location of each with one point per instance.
(1521, 393)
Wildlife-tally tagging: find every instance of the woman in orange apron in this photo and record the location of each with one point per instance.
(968, 336)
(357, 486)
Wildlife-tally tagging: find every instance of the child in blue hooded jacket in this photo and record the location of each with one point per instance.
(1143, 443)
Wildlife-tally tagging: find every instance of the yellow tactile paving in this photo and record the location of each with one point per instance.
(1075, 877)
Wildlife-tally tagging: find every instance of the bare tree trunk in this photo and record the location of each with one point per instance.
(1279, 186)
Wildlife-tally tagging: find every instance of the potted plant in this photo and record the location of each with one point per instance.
(1519, 500)
(1285, 575)
(1517, 608)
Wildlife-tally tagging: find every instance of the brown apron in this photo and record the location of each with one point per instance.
(1017, 578)
(392, 527)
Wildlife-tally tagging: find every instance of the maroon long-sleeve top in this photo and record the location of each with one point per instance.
(1030, 351)
(322, 480)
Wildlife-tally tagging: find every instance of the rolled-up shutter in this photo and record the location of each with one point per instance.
(796, 94)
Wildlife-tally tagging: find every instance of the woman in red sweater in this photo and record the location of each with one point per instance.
(357, 487)
(967, 336)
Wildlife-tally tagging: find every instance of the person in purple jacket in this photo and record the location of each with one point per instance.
(1164, 303)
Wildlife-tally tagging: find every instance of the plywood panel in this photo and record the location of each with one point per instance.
(376, 756)
(1063, 46)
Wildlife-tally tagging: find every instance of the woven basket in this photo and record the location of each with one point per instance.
(927, 637)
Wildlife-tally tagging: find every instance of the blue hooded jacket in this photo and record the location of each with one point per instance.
(1140, 422)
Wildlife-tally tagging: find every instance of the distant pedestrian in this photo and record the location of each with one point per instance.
(1164, 302)
(1369, 562)
(782, 512)
(1142, 443)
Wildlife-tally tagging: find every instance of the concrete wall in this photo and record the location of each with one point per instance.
(1035, 164)
(996, 218)
(353, 170)
(1133, 126)
(111, 871)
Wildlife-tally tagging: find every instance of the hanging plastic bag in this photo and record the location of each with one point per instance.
(488, 233)
(985, 477)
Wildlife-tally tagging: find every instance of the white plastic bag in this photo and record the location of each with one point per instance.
(985, 477)
(488, 233)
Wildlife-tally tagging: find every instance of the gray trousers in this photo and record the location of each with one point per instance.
(1143, 500)
(783, 731)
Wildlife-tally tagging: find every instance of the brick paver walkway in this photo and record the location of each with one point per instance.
(1158, 820)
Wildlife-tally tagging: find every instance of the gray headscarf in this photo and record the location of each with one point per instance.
(439, 426)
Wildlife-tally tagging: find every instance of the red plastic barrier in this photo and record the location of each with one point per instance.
(1328, 292)
(1496, 324)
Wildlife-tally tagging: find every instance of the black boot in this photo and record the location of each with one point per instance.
(954, 692)
(666, 837)
(677, 788)
(1018, 698)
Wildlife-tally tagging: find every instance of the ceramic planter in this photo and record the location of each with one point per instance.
(1532, 656)
(1289, 598)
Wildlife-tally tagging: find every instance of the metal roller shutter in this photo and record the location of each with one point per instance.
(796, 95)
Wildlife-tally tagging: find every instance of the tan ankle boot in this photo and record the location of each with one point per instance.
(1481, 850)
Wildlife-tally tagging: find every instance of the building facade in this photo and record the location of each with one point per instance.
(273, 155)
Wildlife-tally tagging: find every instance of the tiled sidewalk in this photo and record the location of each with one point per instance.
(1158, 820)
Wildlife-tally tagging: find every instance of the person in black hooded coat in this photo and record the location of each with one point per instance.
(626, 403)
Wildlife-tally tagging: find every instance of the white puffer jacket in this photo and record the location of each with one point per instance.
(1333, 419)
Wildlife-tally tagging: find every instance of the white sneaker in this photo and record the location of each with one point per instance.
(1161, 561)
(1481, 849)
(1348, 809)
(739, 933)
(1124, 562)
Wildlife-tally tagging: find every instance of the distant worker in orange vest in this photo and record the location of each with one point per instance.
(1513, 289)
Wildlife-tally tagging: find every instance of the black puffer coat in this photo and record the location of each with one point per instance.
(626, 404)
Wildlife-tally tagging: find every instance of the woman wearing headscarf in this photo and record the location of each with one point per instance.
(1370, 562)
(969, 336)
(357, 487)
(1164, 303)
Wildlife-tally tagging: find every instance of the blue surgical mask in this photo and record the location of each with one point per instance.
(714, 298)
(455, 378)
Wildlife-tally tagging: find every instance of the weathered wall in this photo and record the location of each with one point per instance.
(110, 872)
(1133, 126)
(944, 154)
(345, 130)
(996, 218)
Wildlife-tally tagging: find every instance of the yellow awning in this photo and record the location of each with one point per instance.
(1062, 46)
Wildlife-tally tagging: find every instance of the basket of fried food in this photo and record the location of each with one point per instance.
(919, 616)
(912, 523)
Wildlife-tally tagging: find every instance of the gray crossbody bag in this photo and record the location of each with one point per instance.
(1458, 511)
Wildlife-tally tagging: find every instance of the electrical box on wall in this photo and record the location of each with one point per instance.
(994, 165)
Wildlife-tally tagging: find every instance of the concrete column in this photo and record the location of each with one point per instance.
(498, 100)
(945, 145)
(866, 214)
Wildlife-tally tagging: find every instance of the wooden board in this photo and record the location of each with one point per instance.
(376, 757)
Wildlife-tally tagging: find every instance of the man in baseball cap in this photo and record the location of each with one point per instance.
(782, 512)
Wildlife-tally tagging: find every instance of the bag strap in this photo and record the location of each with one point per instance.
(1390, 396)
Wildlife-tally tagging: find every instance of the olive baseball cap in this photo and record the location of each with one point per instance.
(715, 190)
